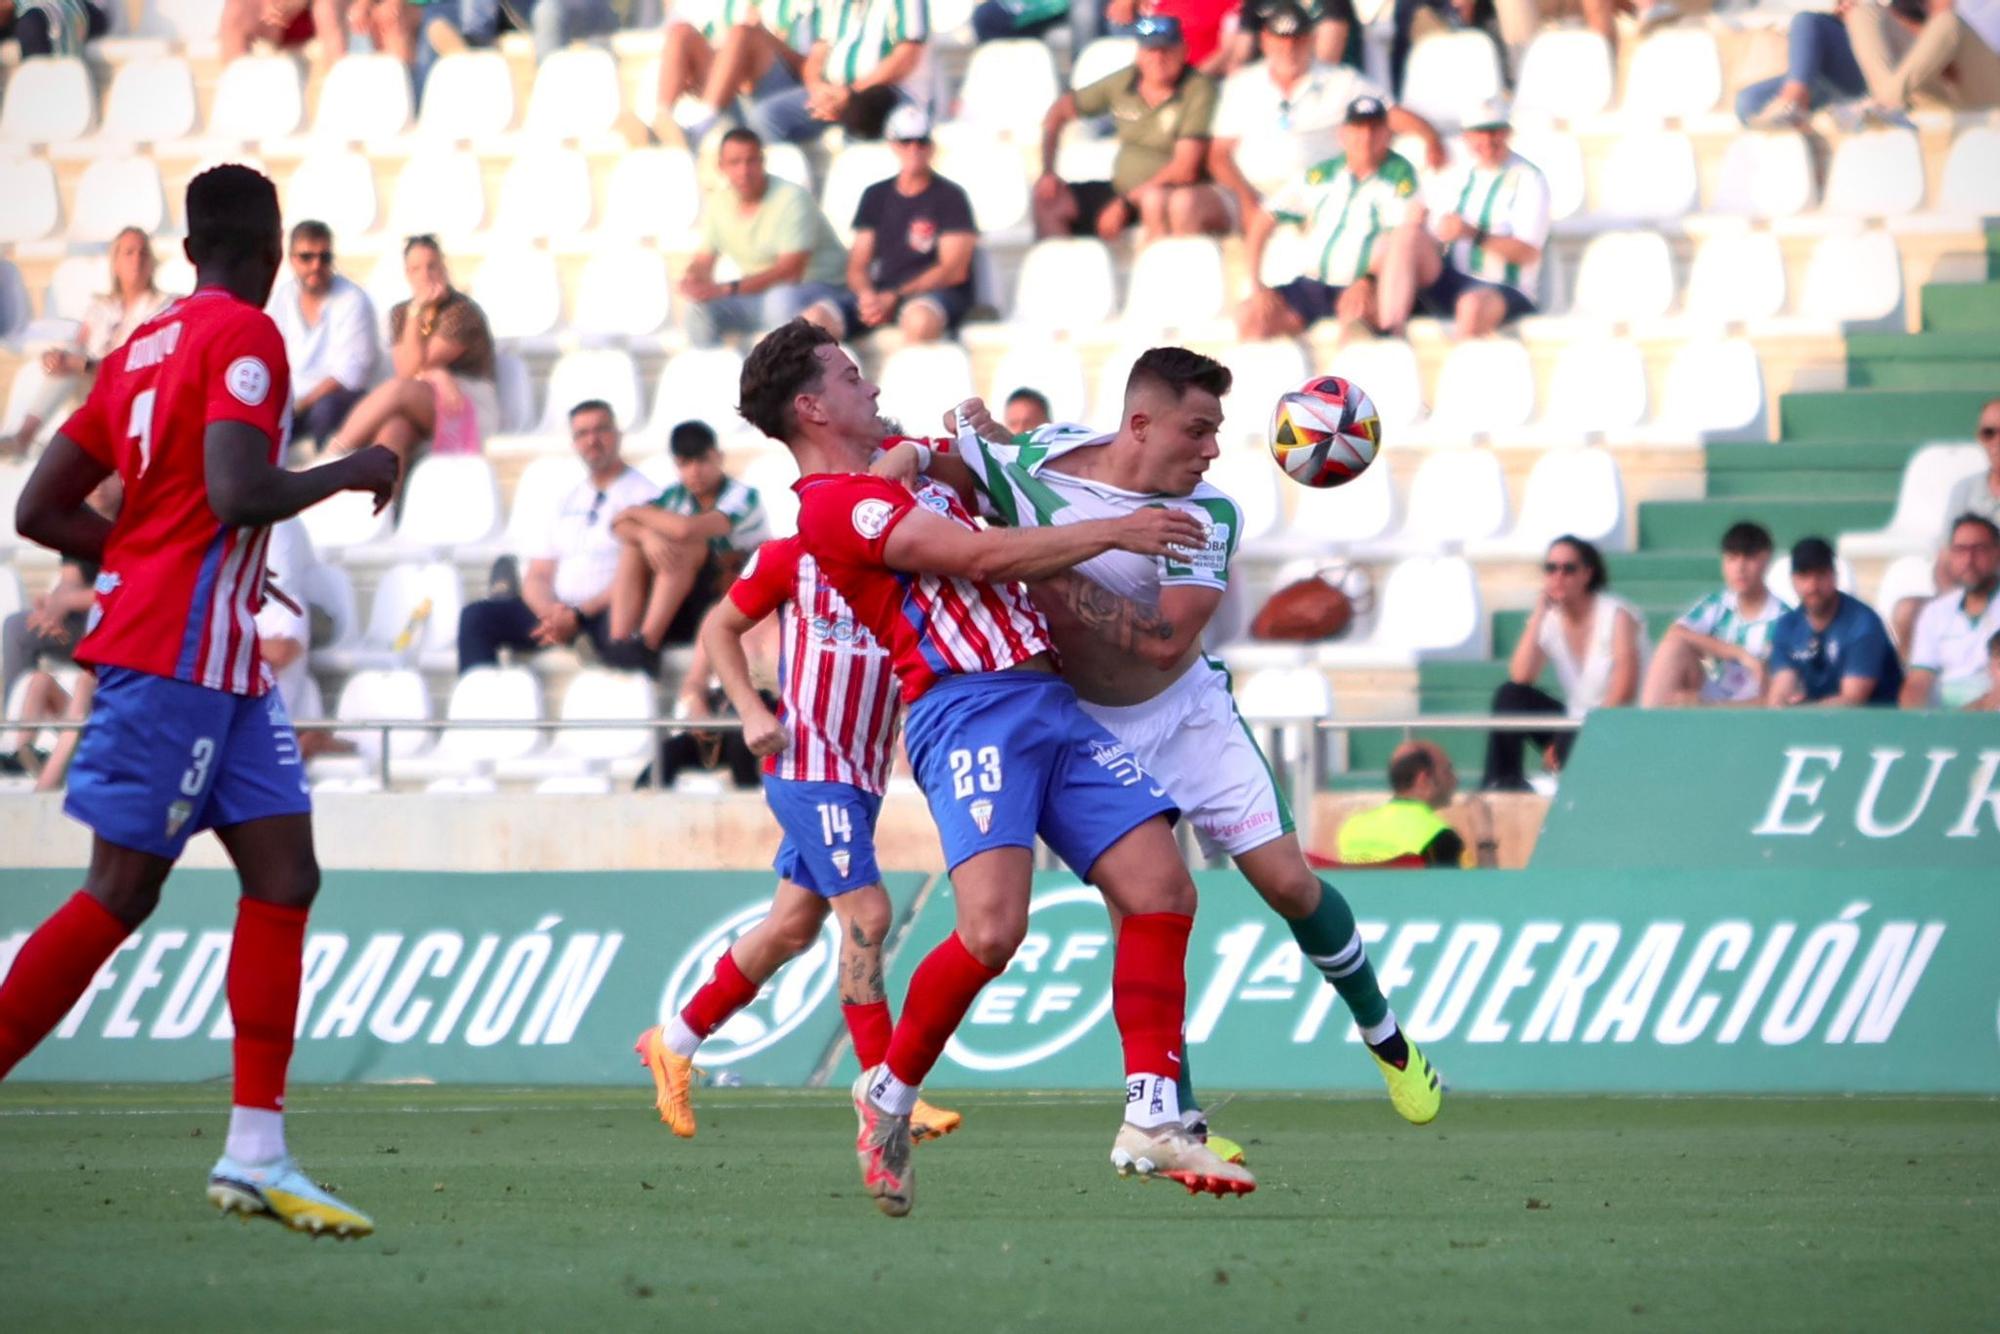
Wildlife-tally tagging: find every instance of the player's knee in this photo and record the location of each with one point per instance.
(1293, 893)
(992, 940)
(793, 932)
(865, 917)
(131, 903)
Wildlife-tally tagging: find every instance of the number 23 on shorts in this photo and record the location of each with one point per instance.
(970, 769)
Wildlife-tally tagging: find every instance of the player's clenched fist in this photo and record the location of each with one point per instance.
(763, 733)
(375, 470)
(1159, 531)
(972, 415)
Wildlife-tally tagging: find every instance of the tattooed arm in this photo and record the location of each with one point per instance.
(1162, 635)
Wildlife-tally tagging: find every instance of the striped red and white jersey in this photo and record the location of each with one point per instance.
(935, 625)
(836, 689)
(179, 591)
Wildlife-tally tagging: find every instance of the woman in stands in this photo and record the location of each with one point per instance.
(442, 391)
(1597, 643)
(107, 322)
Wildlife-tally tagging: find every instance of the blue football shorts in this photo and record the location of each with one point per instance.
(829, 842)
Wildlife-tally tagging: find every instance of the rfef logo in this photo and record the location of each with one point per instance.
(1056, 988)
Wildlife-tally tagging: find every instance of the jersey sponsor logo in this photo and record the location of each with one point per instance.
(934, 500)
(248, 380)
(838, 630)
(1055, 990)
(791, 997)
(871, 517)
(1119, 759)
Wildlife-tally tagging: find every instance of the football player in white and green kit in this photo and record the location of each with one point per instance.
(1129, 632)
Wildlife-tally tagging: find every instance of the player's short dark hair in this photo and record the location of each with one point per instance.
(1977, 521)
(1747, 539)
(691, 440)
(1407, 768)
(741, 134)
(312, 229)
(1179, 370)
(592, 405)
(1812, 555)
(784, 364)
(1592, 558)
(232, 212)
(1026, 395)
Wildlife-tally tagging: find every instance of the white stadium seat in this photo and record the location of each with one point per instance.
(1008, 86)
(151, 101)
(1486, 385)
(1764, 176)
(653, 192)
(1449, 74)
(623, 292)
(1598, 386)
(517, 392)
(1429, 608)
(545, 194)
(329, 589)
(1675, 74)
(414, 612)
(596, 695)
(1052, 368)
(576, 94)
(449, 501)
(1260, 374)
(1101, 58)
(1910, 576)
(604, 373)
(1113, 370)
(1972, 173)
(484, 694)
(1065, 283)
(115, 193)
(336, 186)
(699, 384)
(48, 101)
(344, 522)
(538, 493)
(467, 95)
(1713, 387)
(1917, 526)
(1565, 75)
(518, 288)
(853, 170)
(921, 381)
(1177, 283)
(189, 21)
(1647, 176)
(386, 694)
(365, 97)
(16, 306)
(1875, 174)
(1082, 155)
(257, 97)
(1326, 519)
(1624, 276)
(1387, 368)
(439, 191)
(1560, 158)
(772, 473)
(788, 162)
(1736, 277)
(1283, 694)
(1576, 491)
(1458, 495)
(30, 208)
(75, 283)
(1853, 278)
(991, 173)
(1247, 477)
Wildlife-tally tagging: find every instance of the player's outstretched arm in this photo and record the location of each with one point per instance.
(245, 489)
(924, 543)
(52, 508)
(722, 632)
(1158, 635)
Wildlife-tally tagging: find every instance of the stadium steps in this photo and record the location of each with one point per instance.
(1964, 307)
(1690, 526)
(1879, 416)
(1968, 360)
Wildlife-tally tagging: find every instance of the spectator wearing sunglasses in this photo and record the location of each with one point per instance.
(1595, 640)
(566, 589)
(1980, 493)
(328, 325)
(1831, 650)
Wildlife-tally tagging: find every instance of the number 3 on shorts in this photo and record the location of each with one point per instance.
(962, 777)
(196, 777)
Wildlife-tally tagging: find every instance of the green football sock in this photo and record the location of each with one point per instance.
(1328, 939)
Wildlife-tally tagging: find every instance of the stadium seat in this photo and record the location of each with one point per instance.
(538, 491)
(1065, 283)
(1051, 367)
(1713, 387)
(1907, 577)
(1486, 385)
(1598, 386)
(1917, 526)
(48, 101)
(1647, 176)
(1261, 373)
(1284, 694)
(1853, 278)
(771, 474)
(652, 192)
(414, 614)
(75, 281)
(1113, 370)
(853, 170)
(1101, 58)
(441, 192)
(602, 373)
(699, 384)
(1764, 176)
(517, 392)
(115, 193)
(192, 22)
(30, 208)
(1082, 155)
(13, 475)
(1624, 276)
(1971, 182)
(330, 590)
(545, 194)
(576, 94)
(12, 599)
(1875, 174)
(344, 522)
(257, 98)
(1008, 86)
(16, 306)
(1387, 368)
(151, 101)
(990, 171)
(365, 97)
(788, 162)
(1247, 477)
(335, 185)
(450, 501)
(1675, 74)
(1575, 490)
(1430, 608)
(921, 381)
(467, 95)
(1177, 283)
(623, 292)
(1560, 158)
(1328, 519)
(518, 288)
(484, 694)
(1736, 277)
(596, 695)
(1449, 74)
(1565, 75)
(1458, 495)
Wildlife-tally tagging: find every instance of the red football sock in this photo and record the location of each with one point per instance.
(51, 971)
(264, 963)
(721, 996)
(869, 1025)
(941, 991)
(1149, 990)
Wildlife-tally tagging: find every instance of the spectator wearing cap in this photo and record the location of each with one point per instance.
(328, 325)
(1831, 650)
(1948, 649)
(1348, 205)
(1493, 223)
(1278, 117)
(1328, 21)
(1027, 409)
(867, 57)
(1164, 109)
(792, 263)
(911, 258)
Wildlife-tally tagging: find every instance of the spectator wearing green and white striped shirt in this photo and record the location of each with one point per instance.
(867, 58)
(1717, 652)
(716, 50)
(679, 552)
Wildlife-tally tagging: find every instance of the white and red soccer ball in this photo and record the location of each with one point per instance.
(1325, 432)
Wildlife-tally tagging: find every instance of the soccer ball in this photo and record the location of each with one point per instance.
(1325, 432)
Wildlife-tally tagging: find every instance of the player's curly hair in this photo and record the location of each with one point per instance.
(783, 365)
(1179, 370)
(232, 213)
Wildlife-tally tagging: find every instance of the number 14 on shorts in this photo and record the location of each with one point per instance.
(834, 824)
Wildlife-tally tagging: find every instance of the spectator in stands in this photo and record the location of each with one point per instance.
(441, 351)
(1819, 70)
(478, 23)
(1716, 652)
(1990, 701)
(716, 51)
(1948, 650)
(566, 589)
(680, 550)
(50, 625)
(1508, 26)
(1492, 224)
(911, 259)
(1406, 829)
(870, 59)
(1831, 650)
(50, 628)
(1949, 58)
(284, 630)
(108, 321)
(1208, 26)
(1348, 206)
(1595, 640)
(1026, 409)
(44, 698)
(52, 27)
(1980, 493)
(1328, 21)
(1280, 117)
(328, 324)
(792, 263)
(390, 26)
(1164, 109)
(996, 20)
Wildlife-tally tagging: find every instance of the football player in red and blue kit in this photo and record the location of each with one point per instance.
(187, 732)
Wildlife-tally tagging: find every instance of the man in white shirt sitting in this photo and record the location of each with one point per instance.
(328, 325)
(1948, 652)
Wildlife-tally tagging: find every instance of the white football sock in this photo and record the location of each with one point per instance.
(680, 1039)
(1151, 1100)
(889, 1093)
(1375, 1034)
(256, 1135)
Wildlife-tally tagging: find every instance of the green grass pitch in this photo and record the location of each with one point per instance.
(574, 1209)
